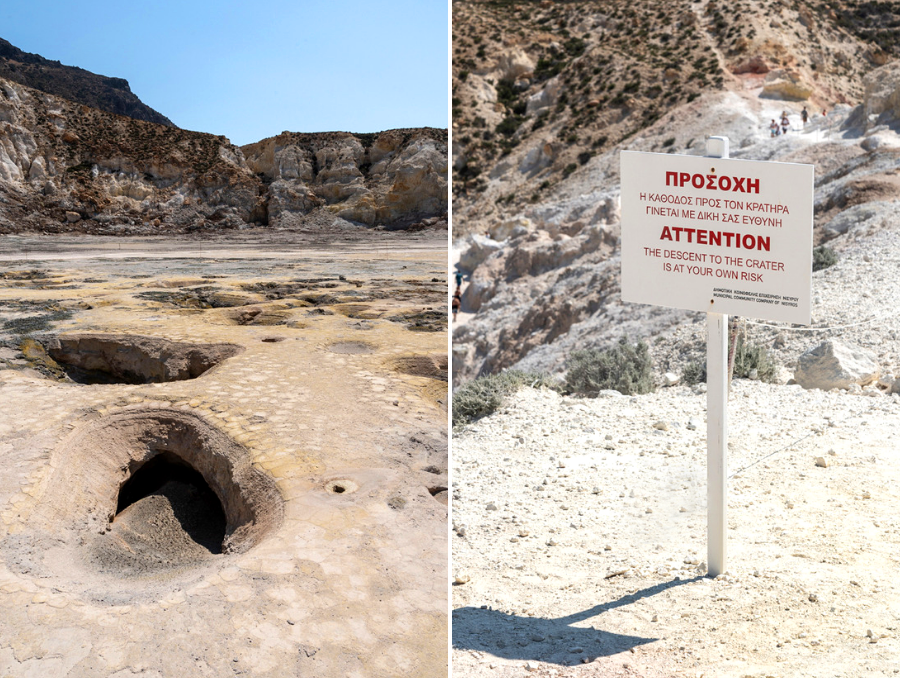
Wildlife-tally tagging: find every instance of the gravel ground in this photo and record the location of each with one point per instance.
(580, 533)
(579, 525)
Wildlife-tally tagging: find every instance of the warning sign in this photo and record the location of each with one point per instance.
(717, 235)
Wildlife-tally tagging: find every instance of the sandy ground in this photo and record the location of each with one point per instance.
(352, 581)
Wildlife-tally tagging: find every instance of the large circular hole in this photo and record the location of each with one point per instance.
(149, 490)
(169, 497)
(128, 359)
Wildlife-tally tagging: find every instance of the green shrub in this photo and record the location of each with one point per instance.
(624, 367)
(694, 373)
(509, 125)
(823, 257)
(484, 395)
(469, 171)
(575, 46)
(749, 357)
(547, 68)
(506, 92)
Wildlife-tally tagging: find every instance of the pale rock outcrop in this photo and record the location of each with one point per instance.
(122, 175)
(481, 93)
(546, 98)
(477, 293)
(339, 177)
(513, 63)
(460, 357)
(511, 228)
(542, 251)
(531, 290)
(866, 217)
(540, 156)
(416, 180)
(884, 139)
(287, 196)
(599, 207)
(882, 94)
(833, 364)
(479, 248)
(37, 172)
(480, 90)
(786, 84)
(393, 179)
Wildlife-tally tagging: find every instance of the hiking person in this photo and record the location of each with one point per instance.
(804, 116)
(457, 302)
(785, 123)
(774, 130)
(459, 279)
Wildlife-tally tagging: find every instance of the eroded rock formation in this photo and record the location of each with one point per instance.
(66, 167)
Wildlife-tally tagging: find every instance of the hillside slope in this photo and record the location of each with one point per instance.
(112, 95)
(541, 88)
(546, 281)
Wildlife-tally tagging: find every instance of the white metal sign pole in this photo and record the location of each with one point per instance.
(716, 420)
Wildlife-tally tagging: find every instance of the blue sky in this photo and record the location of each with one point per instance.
(252, 70)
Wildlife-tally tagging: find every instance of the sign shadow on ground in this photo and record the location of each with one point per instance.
(548, 640)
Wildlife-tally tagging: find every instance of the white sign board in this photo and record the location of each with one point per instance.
(717, 235)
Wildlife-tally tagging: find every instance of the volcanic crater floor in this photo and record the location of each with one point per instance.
(278, 509)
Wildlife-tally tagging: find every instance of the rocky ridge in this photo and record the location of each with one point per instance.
(66, 167)
(112, 95)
